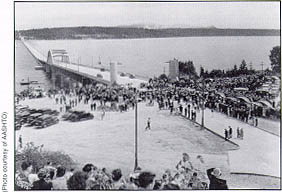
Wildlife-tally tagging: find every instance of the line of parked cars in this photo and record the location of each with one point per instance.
(75, 116)
(39, 118)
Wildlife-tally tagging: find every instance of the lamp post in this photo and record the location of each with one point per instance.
(203, 112)
(136, 135)
(203, 105)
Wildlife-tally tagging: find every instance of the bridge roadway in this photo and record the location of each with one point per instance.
(84, 70)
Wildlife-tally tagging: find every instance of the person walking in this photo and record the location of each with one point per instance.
(148, 124)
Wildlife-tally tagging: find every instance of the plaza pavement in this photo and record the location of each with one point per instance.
(259, 151)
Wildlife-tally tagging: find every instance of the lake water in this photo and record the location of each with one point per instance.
(24, 69)
(147, 57)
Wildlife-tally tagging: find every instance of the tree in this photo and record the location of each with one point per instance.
(243, 67)
(163, 76)
(187, 68)
(275, 58)
(202, 72)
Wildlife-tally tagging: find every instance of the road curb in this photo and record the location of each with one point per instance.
(211, 131)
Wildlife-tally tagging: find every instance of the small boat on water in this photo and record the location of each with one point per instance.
(28, 82)
(38, 67)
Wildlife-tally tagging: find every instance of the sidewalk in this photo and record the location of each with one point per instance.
(259, 151)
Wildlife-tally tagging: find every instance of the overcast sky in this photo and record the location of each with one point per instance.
(264, 15)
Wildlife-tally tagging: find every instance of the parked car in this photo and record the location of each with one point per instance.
(18, 125)
(82, 117)
(99, 75)
(21, 108)
(45, 121)
(33, 117)
(131, 76)
(75, 116)
(48, 111)
(122, 74)
(70, 115)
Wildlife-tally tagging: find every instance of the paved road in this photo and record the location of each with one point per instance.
(259, 151)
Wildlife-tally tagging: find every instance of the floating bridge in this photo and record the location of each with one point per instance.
(64, 73)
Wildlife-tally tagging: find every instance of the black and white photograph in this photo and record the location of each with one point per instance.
(145, 95)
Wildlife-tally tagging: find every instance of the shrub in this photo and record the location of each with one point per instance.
(39, 157)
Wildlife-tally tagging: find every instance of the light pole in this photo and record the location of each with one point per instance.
(203, 106)
(136, 135)
(203, 112)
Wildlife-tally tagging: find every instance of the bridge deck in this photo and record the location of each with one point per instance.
(86, 71)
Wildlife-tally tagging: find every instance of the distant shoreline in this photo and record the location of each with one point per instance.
(136, 33)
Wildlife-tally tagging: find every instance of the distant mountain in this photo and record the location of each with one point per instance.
(137, 32)
(155, 26)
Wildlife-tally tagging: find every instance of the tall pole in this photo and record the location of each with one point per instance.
(203, 107)
(261, 68)
(203, 114)
(136, 137)
(77, 64)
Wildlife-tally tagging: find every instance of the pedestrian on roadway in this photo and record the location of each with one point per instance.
(103, 114)
(241, 133)
(238, 132)
(256, 121)
(148, 124)
(226, 134)
(230, 132)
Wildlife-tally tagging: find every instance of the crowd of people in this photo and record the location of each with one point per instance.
(221, 94)
(188, 96)
(185, 176)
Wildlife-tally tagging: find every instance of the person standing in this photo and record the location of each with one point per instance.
(226, 134)
(41, 184)
(103, 114)
(241, 133)
(148, 124)
(180, 109)
(238, 133)
(189, 111)
(22, 178)
(215, 181)
(184, 165)
(256, 121)
(20, 142)
(185, 112)
(230, 132)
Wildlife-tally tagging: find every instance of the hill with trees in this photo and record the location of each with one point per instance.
(133, 32)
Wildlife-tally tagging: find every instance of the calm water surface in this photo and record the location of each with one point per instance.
(147, 57)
